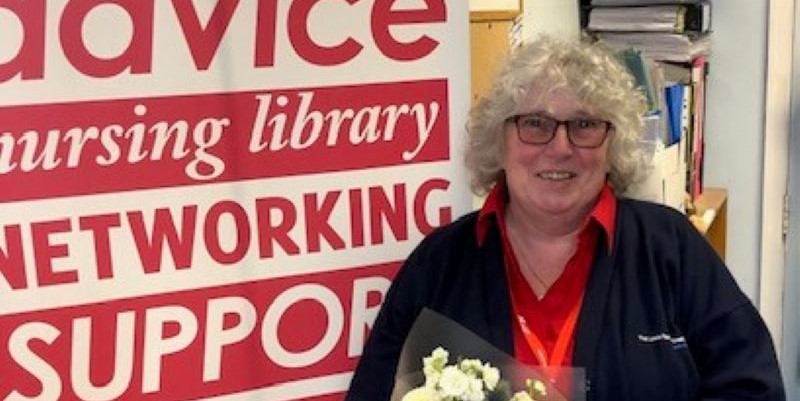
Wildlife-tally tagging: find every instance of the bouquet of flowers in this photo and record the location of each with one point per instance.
(480, 372)
(467, 380)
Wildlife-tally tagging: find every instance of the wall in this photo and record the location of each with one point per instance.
(734, 128)
(776, 162)
(554, 17)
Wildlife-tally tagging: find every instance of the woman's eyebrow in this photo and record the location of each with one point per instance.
(545, 113)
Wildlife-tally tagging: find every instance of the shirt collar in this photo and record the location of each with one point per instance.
(604, 212)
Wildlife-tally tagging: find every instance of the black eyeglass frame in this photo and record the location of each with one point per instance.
(566, 123)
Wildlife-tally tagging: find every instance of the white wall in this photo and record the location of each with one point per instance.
(735, 115)
(777, 128)
(554, 17)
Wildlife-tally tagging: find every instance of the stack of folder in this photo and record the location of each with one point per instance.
(676, 32)
(659, 46)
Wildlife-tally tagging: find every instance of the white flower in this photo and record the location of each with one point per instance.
(539, 387)
(471, 366)
(453, 383)
(536, 387)
(466, 380)
(491, 376)
(437, 360)
(420, 394)
(521, 396)
(475, 391)
(432, 376)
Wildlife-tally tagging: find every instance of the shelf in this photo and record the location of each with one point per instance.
(711, 217)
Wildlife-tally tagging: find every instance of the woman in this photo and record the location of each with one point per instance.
(557, 271)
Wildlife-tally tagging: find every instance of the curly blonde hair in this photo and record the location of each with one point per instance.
(596, 77)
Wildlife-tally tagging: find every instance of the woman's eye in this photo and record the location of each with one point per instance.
(532, 122)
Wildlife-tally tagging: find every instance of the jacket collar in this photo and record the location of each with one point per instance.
(493, 210)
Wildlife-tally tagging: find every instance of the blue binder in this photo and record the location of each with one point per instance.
(674, 99)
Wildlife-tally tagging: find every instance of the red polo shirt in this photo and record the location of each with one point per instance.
(546, 316)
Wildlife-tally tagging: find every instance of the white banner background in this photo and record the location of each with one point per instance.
(155, 335)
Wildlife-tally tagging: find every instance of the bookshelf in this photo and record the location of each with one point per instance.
(671, 39)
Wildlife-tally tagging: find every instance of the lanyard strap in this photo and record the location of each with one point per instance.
(562, 341)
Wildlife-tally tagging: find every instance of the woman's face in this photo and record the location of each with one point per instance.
(556, 178)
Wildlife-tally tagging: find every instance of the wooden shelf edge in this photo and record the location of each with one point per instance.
(500, 15)
(714, 225)
(711, 199)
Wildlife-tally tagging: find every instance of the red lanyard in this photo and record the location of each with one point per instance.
(562, 341)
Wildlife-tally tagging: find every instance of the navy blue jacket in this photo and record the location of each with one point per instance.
(661, 282)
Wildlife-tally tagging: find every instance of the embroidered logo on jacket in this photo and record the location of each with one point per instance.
(678, 342)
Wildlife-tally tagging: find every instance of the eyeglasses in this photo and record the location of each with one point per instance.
(534, 129)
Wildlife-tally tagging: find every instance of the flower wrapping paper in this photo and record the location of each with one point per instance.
(432, 330)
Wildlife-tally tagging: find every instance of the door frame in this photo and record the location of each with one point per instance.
(789, 347)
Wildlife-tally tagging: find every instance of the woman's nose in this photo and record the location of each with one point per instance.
(560, 143)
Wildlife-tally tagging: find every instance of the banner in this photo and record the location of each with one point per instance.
(208, 199)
